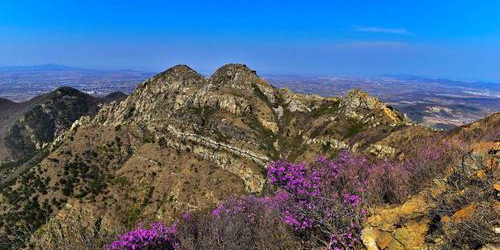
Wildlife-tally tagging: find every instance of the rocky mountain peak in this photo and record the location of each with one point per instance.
(179, 70)
(179, 74)
(360, 97)
(240, 77)
(356, 102)
(232, 69)
(237, 76)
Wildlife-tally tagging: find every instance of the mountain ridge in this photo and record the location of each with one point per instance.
(182, 142)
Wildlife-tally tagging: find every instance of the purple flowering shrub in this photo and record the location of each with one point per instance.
(394, 180)
(245, 223)
(320, 204)
(388, 182)
(158, 236)
(325, 200)
(429, 157)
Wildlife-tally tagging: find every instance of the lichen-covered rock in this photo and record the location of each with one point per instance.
(374, 239)
(410, 236)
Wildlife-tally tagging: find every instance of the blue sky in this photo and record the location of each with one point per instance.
(450, 39)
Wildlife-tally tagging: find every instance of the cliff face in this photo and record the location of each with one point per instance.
(182, 142)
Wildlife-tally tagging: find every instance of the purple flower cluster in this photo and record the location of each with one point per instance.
(324, 198)
(294, 178)
(157, 237)
(352, 199)
(298, 221)
(245, 205)
(343, 241)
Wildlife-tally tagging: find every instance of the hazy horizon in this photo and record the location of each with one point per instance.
(262, 73)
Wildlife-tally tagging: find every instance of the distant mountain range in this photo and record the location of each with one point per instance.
(407, 77)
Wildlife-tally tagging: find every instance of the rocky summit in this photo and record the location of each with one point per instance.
(181, 142)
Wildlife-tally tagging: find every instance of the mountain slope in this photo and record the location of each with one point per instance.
(30, 126)
(8, 110)
(459, 210)
(182, 142)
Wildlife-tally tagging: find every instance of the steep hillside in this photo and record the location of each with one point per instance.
(181, 142)
(487, 129)
(8, 110)
(27, 127)
(459, 210)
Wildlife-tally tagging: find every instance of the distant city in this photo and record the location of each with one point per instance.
(438, 103)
